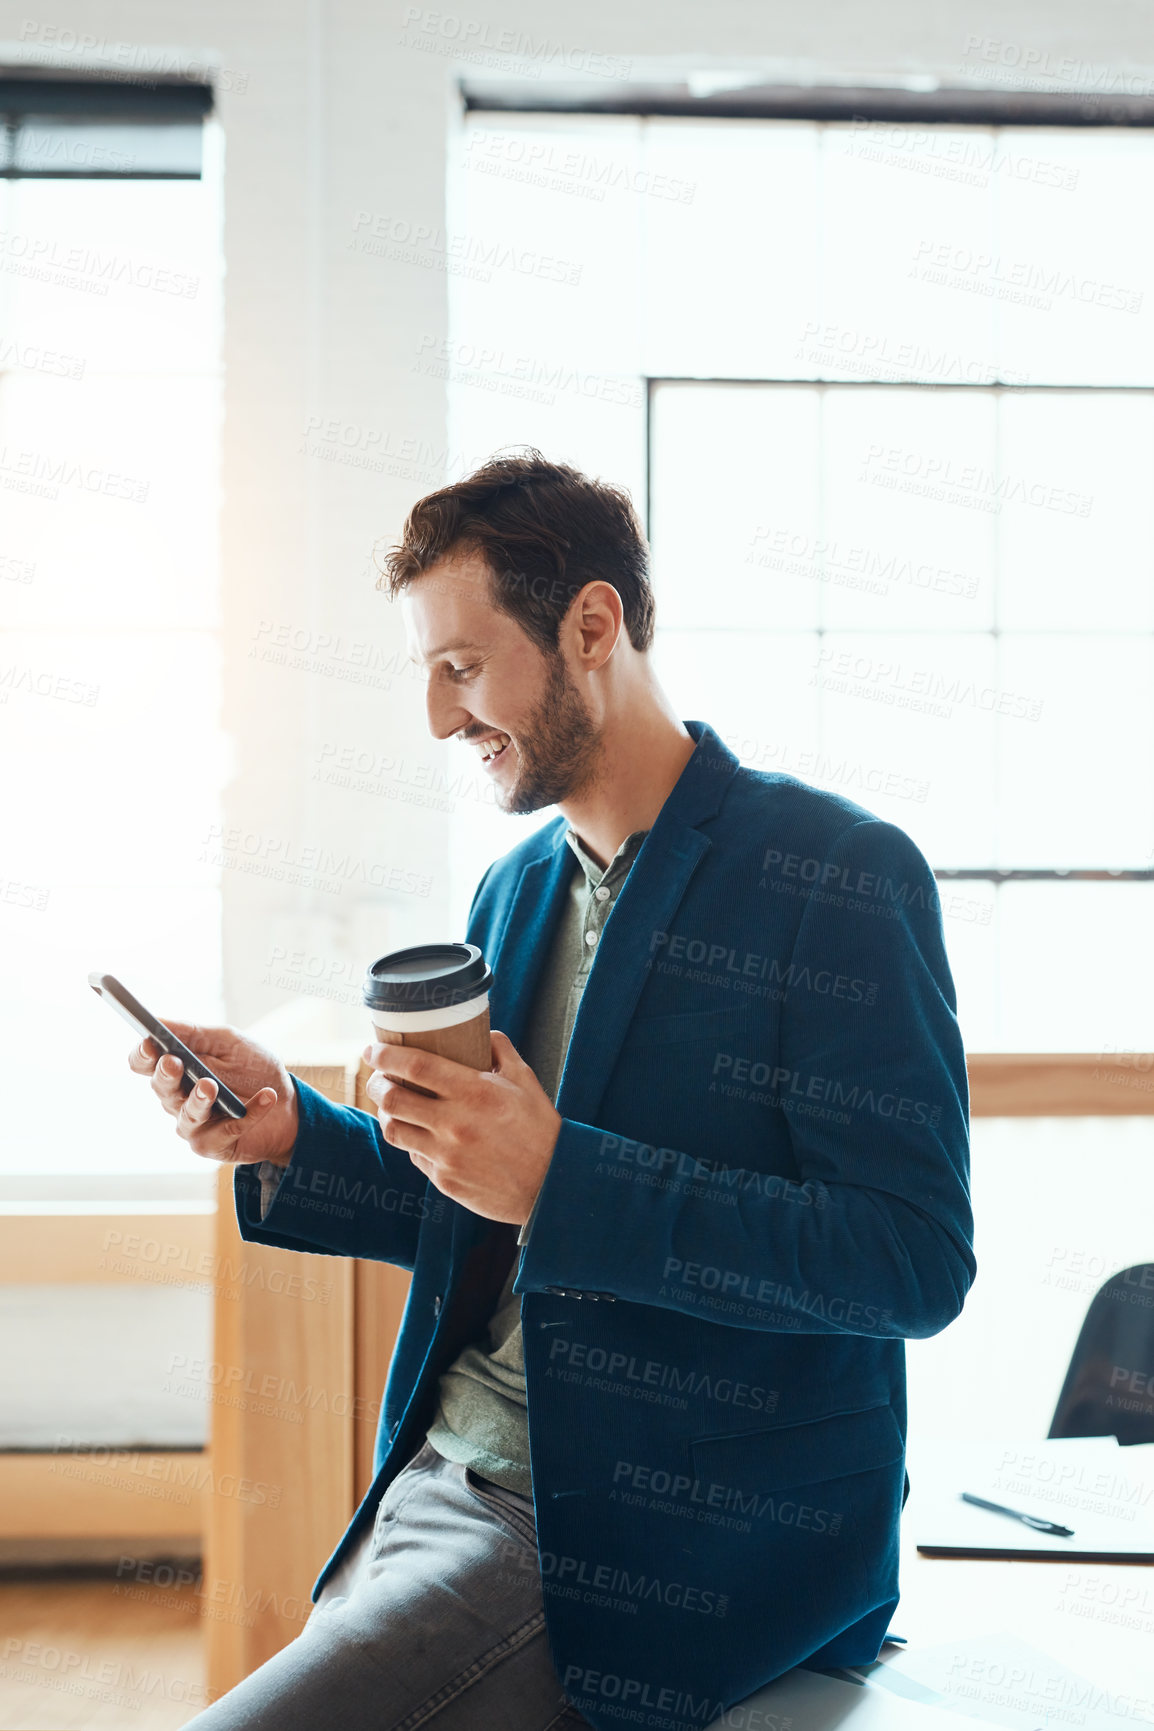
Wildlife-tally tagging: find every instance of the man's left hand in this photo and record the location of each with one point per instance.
(487, 1137)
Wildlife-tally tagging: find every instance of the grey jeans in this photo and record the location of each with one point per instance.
(440, 1619)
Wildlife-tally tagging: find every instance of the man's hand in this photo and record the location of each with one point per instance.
(487, 1137)
(267, 1132)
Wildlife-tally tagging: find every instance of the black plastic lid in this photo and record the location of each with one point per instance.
(429, 977)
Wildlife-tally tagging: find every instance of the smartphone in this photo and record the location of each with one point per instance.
(110, 989)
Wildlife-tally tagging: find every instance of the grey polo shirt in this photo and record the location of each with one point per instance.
(481, 1416)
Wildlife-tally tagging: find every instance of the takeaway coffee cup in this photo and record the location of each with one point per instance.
(435, 996)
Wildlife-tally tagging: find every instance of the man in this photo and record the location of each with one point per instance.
(642, 1442)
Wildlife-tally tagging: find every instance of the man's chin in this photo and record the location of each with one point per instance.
(520, 802)
(537, 786)
(525, 796)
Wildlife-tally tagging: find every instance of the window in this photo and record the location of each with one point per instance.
(888, 394)
(110, 407)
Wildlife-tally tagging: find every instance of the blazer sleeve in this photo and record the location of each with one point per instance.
(345, 1191)
(875, 1235)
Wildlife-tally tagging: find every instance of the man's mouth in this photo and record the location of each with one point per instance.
(493, 747)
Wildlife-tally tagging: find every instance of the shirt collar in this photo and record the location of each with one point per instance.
(618, 865)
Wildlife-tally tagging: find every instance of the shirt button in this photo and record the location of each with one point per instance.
(591, 939)
(601, 893)
(437, 1305)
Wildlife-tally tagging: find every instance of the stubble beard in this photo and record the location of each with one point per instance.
(559, 747)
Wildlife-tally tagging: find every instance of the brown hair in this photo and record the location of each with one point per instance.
(544, 530)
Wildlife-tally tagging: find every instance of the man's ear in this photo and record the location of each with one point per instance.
(598, 618)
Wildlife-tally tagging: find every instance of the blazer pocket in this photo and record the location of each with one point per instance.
(693, 1025)
(818, 1508)
(801, 1454)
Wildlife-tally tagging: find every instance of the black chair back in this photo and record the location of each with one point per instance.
(1109, 1387)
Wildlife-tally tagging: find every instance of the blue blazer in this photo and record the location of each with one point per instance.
(759, 1190)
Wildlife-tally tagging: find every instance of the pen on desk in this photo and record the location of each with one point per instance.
(1035, 1521)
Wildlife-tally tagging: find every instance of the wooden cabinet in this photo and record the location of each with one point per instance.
(301, 1351)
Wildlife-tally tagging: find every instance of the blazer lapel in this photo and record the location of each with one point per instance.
(657, 880)
(520, 952)
(653, 889)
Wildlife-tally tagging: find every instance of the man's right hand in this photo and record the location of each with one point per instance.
(269, 1129)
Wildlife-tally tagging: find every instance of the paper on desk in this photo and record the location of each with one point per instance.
(1000, 1680)
(809, 1701)
(1104, 1492)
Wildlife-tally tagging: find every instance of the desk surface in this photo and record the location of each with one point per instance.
(1097, 1619)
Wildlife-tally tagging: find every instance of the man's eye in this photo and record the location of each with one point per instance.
(461, 672)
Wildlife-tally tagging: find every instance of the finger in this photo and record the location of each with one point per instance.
(215, 1141)
(198, 1105)
(506, 1057)
(398, 1133)
(199, 1120)
(143, 1058)
(429, 1070)
(424, 1164)
(398, 1101)
(166, 1080)
(219, 1138)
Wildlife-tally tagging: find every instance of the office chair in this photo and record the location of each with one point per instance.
(1109, 1387)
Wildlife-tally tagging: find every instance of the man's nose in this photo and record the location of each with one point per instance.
(445, 715)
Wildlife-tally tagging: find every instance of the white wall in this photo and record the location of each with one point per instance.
(328, 110)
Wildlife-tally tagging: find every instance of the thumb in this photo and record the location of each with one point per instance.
(256, 1110)
(262, 1101)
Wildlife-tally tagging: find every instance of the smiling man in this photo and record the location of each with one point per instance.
(642, 1442)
